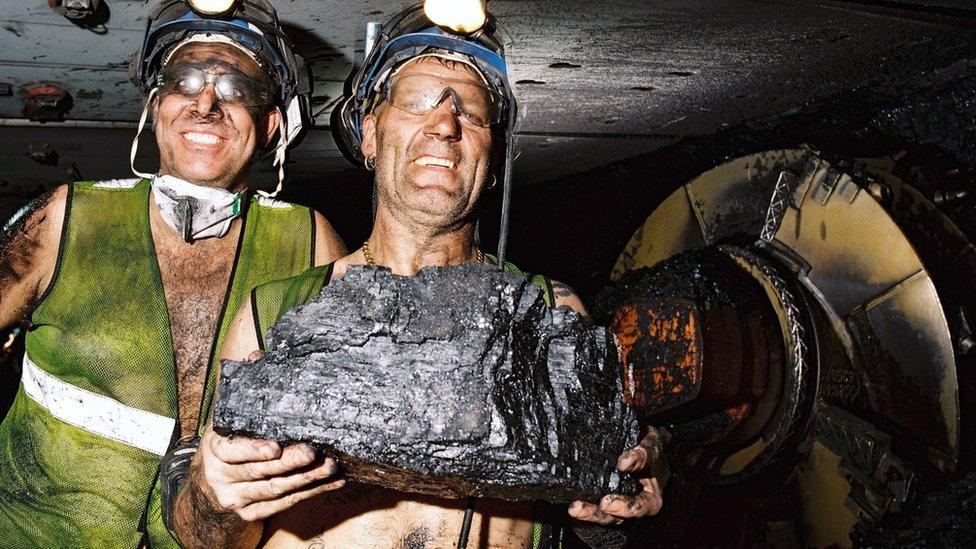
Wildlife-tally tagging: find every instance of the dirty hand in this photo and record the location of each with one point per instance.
(614, 508)
(256, 479)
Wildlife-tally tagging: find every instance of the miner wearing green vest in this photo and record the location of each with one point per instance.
(431, 113)
(128, 287)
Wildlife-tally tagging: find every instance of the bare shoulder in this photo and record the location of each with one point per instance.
(29, 244)
(328, 246)
(567, 297)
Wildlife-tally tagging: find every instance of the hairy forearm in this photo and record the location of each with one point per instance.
(198, 523)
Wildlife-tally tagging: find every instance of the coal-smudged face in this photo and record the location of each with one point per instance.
(432, 167)
(206, 141)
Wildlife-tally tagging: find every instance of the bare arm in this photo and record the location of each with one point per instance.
(28, 253)
(235, 482)
(328, 246)
(566, 297)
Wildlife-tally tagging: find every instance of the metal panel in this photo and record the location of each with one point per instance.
(912, 381)
(853, 261)
(676, 219)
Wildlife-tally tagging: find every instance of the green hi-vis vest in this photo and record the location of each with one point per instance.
(94, 414)
(270, 301)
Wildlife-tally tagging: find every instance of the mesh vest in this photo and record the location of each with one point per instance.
(80, 448)
(270, 301)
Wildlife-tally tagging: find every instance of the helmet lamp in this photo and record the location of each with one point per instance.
(461, 16)
(211, 7)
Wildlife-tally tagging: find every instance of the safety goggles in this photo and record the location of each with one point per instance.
(420, 93)
(232, 87)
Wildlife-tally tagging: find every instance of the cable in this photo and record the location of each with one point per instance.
(507, 187)
(466, 525)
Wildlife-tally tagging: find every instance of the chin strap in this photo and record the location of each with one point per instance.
(135, 141)
(281, 154)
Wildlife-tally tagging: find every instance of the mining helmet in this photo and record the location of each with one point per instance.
(411, 34)
(251, 25)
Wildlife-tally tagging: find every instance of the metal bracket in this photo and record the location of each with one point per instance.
(782, 194)
(825, 185)
(880, 482)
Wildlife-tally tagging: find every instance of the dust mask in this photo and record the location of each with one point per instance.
(195, 212)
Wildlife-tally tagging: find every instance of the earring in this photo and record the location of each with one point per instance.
(494, 181)
(370, 163)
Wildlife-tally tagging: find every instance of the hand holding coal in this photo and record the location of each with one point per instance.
(458, 381)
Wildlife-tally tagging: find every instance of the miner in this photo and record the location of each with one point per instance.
(128, 287)
(431, 113)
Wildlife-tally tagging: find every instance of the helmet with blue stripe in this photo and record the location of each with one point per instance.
(408, 35)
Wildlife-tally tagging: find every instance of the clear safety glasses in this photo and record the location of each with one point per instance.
(420, 93)
(232, 87)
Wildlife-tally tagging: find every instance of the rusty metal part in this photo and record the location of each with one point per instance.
(714, 343)
(668, 336)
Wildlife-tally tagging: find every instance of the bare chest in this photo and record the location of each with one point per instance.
(195, 280)
(367, 516)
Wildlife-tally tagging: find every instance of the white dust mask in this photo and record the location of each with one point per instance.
(194, 211)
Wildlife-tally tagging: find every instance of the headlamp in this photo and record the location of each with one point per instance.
(461, 16)
(211, 7)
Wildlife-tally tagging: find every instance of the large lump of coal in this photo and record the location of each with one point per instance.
(458, 381)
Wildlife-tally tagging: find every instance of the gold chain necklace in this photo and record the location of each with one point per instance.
(370, 261)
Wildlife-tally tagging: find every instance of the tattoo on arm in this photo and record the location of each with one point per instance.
(561, 290)
(566, 297)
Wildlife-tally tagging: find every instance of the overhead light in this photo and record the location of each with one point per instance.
(461, 16)
(47, 103)
(211, 7)
(75, 9)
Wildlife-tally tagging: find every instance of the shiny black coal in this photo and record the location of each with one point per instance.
(458, 381)
(943, 519)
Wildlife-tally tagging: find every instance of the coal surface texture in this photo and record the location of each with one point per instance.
(459, 381)
(943, 519)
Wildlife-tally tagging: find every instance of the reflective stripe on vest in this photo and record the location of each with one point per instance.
(96, 413)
